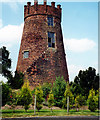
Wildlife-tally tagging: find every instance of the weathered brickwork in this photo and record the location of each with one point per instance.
(43, 63)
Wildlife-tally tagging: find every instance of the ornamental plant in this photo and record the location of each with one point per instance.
(92, 101)
(39, 97)
(69, 94)
(25, 96)
(51, 100)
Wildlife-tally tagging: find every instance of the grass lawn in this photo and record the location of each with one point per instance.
(47, 112)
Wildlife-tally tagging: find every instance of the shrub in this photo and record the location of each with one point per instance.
(50, 100)
(58, 90)
(79, 101)
(92, 101)
(25, 96)
(39, 97)
(6, 90)
(69, 94)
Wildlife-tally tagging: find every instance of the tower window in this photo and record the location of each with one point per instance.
(51, 39)
(50, 21)
(26, 54)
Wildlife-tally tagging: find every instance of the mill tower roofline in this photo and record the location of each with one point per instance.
(42, 9)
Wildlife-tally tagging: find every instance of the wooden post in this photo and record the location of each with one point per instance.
(35, 105)
(68, 104)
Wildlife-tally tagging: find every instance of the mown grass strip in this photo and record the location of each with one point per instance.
(47, 112)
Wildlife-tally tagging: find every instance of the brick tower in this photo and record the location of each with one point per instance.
(42, 55)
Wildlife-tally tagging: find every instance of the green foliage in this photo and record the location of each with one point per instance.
(46, 87)
(85, 81)
(39, 97)
(92, 100)
(25, 96)
(69, 94)
(17, 81)
(79, 101)
(59, 87)
(76, 89)
(6, 63)
(6, 90)
(50, 100)
(13, 100)
(97, 98)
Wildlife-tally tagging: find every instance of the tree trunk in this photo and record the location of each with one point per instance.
(35, 105)
(68, 104)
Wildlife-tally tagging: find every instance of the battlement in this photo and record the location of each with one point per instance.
(44, 9)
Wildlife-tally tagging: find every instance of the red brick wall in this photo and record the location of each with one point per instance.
(44, 63)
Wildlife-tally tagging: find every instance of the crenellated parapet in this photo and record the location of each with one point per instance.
(38, 9)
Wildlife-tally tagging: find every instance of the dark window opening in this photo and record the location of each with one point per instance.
(51, 39)
(53, 45)
(26, 54)
(28, 10)
(50, 21)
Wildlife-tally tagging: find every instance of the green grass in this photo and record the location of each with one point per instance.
(47, 112)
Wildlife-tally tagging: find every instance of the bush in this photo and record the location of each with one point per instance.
(58, 90)
(13, 100)
(69, 94)
(25, 96)
(46, 87)
(50, 100)
(79, 101)
(6, 90)
(39, 97)
(92, 101)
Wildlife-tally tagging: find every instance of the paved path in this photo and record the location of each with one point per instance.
(57, 118)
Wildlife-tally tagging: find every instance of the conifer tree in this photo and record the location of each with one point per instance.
(67, 94)
(51, 100)
(92, 100)
(39, 97)
(25, 95)
(58, 90)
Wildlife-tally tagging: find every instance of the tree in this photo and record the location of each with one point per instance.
(25, 96)
(68, 94)
(17, 81)
(6, 63)
(87, 80)
(92, 101)
(76, 89)
(46, 87)
(51, 100)
(59, 87)
(79, 101)
(39, 97)
(6, 90)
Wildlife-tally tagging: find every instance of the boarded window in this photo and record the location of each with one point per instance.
(51, 39)
(50, 21)
(26, 54)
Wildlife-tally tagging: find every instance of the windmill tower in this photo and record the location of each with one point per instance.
(42, 56)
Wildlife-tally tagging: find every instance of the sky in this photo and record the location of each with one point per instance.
(79, 27)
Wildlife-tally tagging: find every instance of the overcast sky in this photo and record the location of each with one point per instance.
(80, 33)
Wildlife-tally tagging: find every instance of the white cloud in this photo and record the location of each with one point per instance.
(73, 71)
(3, 79)
(10, 35)
(79, 45)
